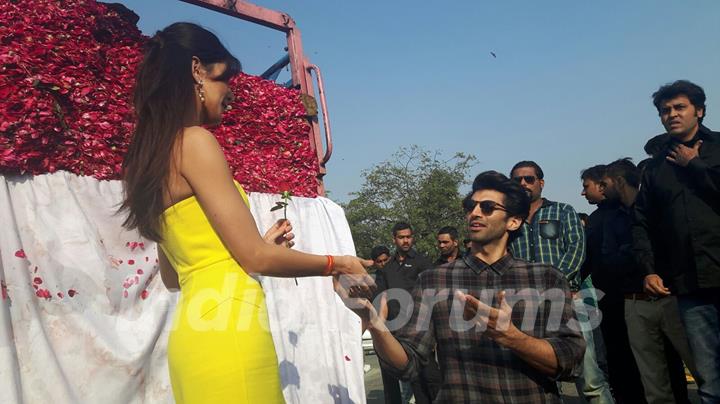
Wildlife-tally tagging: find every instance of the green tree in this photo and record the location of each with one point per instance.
(417, 186)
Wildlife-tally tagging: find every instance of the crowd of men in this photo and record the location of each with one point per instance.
(621, 302)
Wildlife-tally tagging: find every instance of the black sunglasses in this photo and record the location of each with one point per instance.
(530, 179)
(486, 207)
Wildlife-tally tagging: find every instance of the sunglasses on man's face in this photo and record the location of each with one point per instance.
(529, 179)
(486, 207)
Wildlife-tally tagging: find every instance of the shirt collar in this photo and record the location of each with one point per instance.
(702, 133)
(445, 259)
(478, 265)
(410, 254)
(608, 204)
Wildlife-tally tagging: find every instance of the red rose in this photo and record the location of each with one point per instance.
(65, 101)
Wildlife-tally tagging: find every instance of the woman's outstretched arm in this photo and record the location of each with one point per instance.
(204, 167)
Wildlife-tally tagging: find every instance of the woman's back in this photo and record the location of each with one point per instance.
(189, 241)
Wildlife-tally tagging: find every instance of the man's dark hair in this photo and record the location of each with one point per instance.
(449, 230)
(527, 163)
(517, 201)
(378, 251)
(694, 92)
(594, 173)
(626, 169)
(400, 226)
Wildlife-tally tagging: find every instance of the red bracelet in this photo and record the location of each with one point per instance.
(329, 266)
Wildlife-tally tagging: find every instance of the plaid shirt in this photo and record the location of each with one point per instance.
(556, 237)
(477, 369)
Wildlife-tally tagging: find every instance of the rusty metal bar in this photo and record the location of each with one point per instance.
(248, 12)
(325, 115)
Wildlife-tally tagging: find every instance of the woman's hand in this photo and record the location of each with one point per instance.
(350, 273)
(280, 233)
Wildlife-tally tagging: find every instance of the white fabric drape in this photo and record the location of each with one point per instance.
(84, 317)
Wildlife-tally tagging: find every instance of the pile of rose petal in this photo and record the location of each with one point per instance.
(265, 137)
(67, 72)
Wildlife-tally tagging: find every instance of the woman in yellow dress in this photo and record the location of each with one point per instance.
(179, 192)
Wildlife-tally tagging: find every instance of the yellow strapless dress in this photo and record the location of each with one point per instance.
(220, 349)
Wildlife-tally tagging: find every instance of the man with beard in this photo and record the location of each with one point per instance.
(399, 276)
(604, 264)
(676, 221)
(553, 234)
(629, 312)
(380, 256)
(447, 239)
(475, 311)
(592, 190)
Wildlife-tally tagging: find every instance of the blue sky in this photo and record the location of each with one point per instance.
(570, 86)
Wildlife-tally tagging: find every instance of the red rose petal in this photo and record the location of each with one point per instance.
(43, 293)
(71, 110)
(20, 254)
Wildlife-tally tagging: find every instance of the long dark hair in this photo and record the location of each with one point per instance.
(165, 102)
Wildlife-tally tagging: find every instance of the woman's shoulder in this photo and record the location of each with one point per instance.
(201, 153)
(198, 143)
(197, 136)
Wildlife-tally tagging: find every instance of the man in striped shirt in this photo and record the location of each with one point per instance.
(553, 234)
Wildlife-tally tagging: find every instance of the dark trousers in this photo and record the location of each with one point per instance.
(623, 373)
(391, 388)
(425, 388)
(651, 325)
(676, 370)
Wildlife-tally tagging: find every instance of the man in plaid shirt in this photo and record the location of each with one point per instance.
(553, 234)
(504, 328)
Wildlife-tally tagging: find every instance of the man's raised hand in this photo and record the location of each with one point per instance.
(496, 322)
(681, 154)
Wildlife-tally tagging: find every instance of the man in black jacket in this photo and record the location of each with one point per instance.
(653, 324)
(447, 242)
(397, 278)
(602, 244)
(676, 229)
